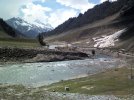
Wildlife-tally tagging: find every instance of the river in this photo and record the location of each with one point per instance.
(39, 74)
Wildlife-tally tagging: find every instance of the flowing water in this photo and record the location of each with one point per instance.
(38, 74)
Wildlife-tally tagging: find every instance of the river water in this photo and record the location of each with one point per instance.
(39, 74)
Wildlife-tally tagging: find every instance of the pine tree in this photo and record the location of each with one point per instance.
(40, 39)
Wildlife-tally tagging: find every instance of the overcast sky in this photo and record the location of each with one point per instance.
(53, 12)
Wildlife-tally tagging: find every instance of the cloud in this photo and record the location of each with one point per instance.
(59, 16)
(32, 12)
(40, 1)
(106, 0)
(10, 8)
(82, 5)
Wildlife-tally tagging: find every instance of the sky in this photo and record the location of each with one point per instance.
(53, 12)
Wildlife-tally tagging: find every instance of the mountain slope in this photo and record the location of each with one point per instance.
(29, 30)
(97, 13)
(88, 31)
(8, 31)
(106, 30)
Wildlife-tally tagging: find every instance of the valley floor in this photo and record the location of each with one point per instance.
(110, 85)
(113, 84)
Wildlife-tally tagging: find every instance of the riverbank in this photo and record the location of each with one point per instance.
(45, 73)
(18, 92)
(37, 55)
(111, 85)
(110, 82)
(113, 52)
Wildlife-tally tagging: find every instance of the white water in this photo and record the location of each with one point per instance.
(38, 74)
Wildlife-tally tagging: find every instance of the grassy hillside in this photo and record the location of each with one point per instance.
(104, 26)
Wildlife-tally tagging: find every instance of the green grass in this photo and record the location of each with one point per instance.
(19, 92)
(19, 43)
(106, 83)
(7, 41)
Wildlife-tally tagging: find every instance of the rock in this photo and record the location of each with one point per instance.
(67, 89)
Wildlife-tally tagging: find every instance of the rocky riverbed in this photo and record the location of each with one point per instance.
(37, 55)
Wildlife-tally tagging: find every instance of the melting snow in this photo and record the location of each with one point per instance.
(107, 41)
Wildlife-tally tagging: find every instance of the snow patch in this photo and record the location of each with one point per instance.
(40, 24)
(108, 41)
(25, 24)
(22, 23)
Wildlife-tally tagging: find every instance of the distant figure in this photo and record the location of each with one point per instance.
(93, 52)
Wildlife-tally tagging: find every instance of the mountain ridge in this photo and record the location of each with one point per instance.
(90, 16)
(28, 29)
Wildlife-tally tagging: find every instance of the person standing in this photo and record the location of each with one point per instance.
(93, 52)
